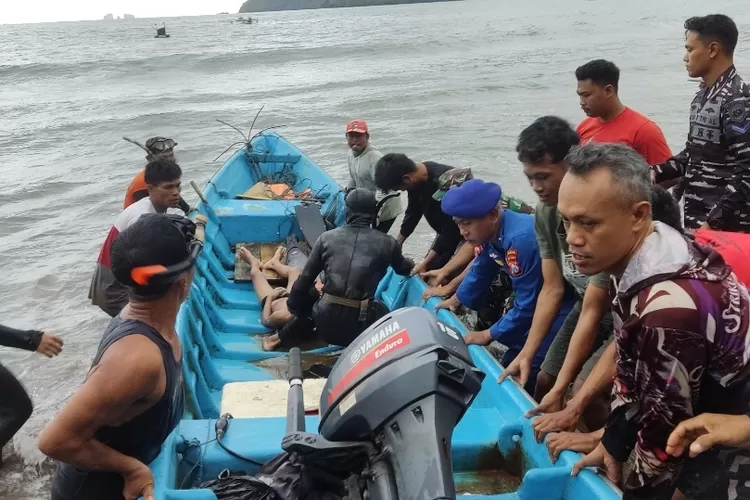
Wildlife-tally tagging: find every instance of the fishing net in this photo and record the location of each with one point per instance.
(239, 488)
(284, 477)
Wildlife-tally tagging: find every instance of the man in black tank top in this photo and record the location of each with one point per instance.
(132, 398)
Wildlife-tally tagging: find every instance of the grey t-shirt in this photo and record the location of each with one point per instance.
(550, 234)
(362, 175)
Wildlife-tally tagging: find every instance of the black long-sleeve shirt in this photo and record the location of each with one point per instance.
(421, 203)
(20, 339)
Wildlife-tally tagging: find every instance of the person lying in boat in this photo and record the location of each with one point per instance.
(156, 147)
(355, 259)
(681, 322)
(508, 244)
(275, 314)
(362, 159)
(132, 397)
(397, 172)
(15, 405)
(163, 184)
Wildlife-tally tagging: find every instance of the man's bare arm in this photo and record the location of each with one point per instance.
(598, 381)
(130, 371)
(548, 306)
(595, 304)
(461, 260)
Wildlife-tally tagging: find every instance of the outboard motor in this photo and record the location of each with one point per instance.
(389, 408)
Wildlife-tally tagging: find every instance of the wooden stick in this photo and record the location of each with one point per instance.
(199, 192)
(200, 227)
(137, 144)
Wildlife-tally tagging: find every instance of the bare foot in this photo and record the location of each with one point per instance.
(277, 256)
(574, 441)
(271, 342)
(249, 258)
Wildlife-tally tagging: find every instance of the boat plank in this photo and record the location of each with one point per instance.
(267, 398)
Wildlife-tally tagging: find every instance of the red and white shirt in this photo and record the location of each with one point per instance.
(123, 221)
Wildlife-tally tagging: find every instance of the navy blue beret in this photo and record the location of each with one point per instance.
(471, 200)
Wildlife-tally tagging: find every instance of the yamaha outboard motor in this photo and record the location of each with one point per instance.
(389, 408)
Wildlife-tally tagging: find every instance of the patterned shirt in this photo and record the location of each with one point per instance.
(681, 327)
(715, 164)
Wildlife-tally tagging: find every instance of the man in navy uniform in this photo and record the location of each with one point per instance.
(714, 167)
(508, 243)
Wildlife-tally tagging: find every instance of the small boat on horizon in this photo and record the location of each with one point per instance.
(161, 32)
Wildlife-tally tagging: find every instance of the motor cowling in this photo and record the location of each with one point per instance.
(404, 384)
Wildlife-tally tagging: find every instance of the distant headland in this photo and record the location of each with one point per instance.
(269, 5)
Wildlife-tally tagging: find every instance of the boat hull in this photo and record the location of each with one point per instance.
(494, 453)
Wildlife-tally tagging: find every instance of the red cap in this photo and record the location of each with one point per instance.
(356, 126)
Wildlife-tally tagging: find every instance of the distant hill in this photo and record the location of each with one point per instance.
(269, 5)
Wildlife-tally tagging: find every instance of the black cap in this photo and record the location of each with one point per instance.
(152, 240)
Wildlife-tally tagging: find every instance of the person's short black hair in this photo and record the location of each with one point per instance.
(664, 208)
(549, 137)
(390, 170)
(715, 28)
(161, 170)
(151, 240)
(600, 72)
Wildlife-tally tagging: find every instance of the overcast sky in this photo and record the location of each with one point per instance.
(30, 11)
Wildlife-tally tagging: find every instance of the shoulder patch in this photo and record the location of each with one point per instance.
(737, 111)
(511, 261)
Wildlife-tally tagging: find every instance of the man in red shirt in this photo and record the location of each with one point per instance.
(609, 120)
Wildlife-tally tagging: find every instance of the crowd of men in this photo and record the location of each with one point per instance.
(604, 286)
(644, 311)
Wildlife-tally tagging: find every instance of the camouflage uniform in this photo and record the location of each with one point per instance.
(715, 164)
(457, 176)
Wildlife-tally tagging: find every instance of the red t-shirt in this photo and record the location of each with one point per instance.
(733, 247)
(631, 128)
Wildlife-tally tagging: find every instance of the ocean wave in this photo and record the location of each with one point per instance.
(190, 62)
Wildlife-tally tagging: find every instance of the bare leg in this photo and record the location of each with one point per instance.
(275, 264)
(260, 283)
(597, 410)
(281, 269)
(544, 383)
(290, 273)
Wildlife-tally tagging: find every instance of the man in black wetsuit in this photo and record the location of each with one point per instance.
(355, 258)
(15, 405)
(396, 172)
(132, 398)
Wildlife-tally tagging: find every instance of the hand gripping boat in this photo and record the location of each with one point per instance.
(408, 409)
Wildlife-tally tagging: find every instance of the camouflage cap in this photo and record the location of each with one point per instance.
(452, 178)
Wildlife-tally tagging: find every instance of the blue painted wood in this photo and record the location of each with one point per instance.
(219, 326)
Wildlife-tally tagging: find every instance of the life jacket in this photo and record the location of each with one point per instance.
(733, 247)
(137, 189)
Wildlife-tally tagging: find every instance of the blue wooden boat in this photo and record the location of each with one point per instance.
(494, 454)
